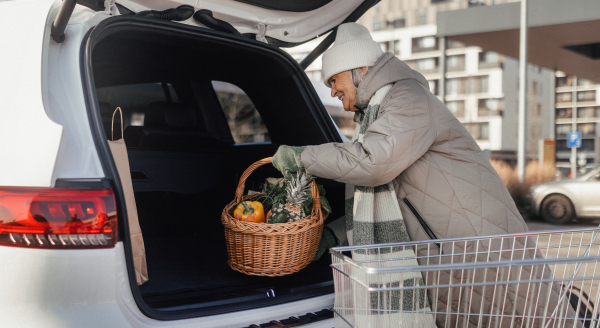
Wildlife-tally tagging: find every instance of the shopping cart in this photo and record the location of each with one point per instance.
(534, 279)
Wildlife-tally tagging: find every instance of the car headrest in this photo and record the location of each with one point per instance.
(169, 115)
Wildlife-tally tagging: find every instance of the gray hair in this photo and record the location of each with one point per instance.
(358, 76)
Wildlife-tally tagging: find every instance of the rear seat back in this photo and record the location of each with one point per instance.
(172, 151)
(171, 126)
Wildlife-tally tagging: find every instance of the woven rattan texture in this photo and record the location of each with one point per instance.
(271, 250)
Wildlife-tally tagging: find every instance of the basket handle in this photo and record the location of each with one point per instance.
(239, 192)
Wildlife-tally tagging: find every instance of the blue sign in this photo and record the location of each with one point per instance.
(574, 139)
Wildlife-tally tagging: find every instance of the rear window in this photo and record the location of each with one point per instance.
(134, 99)
(244, 121)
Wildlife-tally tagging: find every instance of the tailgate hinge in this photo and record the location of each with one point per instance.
(262, 32)
(110, 7)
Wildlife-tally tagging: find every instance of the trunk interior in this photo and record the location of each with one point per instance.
(198, 109)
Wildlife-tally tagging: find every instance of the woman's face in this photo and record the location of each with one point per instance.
(343, 88)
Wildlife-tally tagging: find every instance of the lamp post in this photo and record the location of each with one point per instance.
(522, 132)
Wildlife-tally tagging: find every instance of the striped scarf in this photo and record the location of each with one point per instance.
(373, 217)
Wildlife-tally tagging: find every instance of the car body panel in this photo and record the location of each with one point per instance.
(66, 103)
(59, 288)
(90, 288)
(293, 27)
(583, 192)
(590, 196)
(30, 139)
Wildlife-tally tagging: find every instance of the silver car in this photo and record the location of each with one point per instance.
(562, 201)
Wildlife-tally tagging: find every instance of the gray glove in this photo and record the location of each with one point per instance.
(287, 160)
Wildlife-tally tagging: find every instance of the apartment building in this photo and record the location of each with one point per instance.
(577, 108)
(479, 87)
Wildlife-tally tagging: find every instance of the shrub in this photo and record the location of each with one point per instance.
(534, 174)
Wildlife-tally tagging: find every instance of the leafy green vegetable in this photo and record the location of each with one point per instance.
(275, 195)
(279, 218)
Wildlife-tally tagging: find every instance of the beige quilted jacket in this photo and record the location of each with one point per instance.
(445, 185)
(432, 160)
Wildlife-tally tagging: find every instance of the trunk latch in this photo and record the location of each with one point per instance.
(110, 7)
(262, 32)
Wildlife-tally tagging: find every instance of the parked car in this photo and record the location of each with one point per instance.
(199, 106)
(564, 200)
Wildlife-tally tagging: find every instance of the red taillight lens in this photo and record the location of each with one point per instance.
(57, 218)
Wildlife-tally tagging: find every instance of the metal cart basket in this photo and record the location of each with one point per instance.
(534, 279)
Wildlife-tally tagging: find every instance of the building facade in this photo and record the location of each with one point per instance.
(480, 88)
(577, 109)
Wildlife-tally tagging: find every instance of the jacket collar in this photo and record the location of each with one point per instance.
(387, 69)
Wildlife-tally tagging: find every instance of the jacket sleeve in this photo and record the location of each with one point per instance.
(401, 134)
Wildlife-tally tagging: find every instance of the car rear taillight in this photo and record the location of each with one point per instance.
(57, 218)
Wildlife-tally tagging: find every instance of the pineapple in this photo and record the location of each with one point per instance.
(296, 194)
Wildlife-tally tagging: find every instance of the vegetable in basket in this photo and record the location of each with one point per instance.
(250, 212)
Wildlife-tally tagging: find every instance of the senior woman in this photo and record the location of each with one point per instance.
(416, 172)
(407, 145)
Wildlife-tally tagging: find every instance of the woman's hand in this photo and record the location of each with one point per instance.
(287, 160)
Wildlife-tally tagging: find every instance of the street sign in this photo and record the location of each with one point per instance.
(574, 139)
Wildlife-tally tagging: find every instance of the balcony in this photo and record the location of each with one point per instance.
(424, 44)
(455, 63)
(490, 107)
(489, 59)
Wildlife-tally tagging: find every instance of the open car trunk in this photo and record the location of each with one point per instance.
(199, 107)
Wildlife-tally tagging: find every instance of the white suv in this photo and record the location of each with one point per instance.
(201, 102)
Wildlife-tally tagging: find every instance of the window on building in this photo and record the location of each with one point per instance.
(479, 131)
(426, 43)
(538, 110)
(565, 97)
(455, 63)
(564, 81)
(396, 47)
(397, 23)
(456, 86)
(586, 95)
(422, 19)
(457, 108)
(588, 112)
(587, 129)
(474, 3)
(384, 46)
(433, 86)
(562, 130)
(427, 65)
(481, 84)
(585, 83)
(489, 59)
(564, 113)
(244, 121)
(490, 107)
(452, 87)
(378, 25)
(437, 1)
(534, 88)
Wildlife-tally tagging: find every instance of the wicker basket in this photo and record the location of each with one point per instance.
(271, 250)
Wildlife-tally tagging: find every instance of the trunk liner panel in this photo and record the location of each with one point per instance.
(187, 256)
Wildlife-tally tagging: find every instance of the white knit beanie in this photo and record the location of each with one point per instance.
(354, 47)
